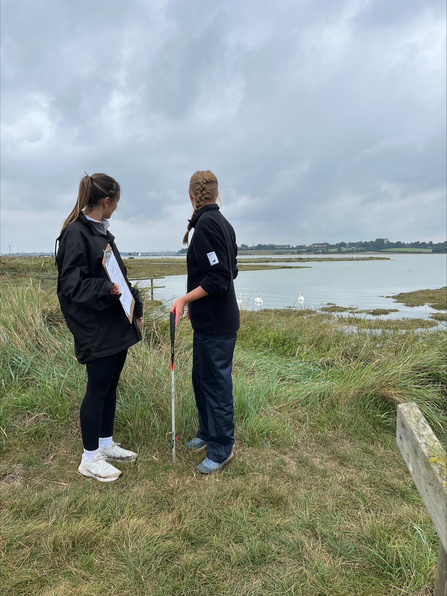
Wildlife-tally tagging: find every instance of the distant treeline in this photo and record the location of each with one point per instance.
(379, 244)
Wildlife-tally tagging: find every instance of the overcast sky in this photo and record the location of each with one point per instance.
(323, 120)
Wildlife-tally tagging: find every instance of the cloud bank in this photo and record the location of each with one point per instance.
(323, 121)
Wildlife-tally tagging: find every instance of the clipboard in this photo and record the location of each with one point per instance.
(116, 276)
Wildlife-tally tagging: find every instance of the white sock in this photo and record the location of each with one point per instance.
(105, 442)
(89, 455)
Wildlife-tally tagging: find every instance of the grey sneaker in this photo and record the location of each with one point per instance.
(117, 453)
(196, 445)
(209, 467)
(98, 468)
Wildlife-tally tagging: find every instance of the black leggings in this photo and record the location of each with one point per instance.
(99, 403)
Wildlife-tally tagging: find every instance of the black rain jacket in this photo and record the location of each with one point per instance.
(95, 317)
(212, 264)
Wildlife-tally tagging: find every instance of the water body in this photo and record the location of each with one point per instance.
(362, 284)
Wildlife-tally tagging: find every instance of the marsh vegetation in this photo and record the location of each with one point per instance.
(436, 299)
(43, 268)
(317, 501)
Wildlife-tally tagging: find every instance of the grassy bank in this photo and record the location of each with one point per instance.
(30, 267)
(408, 250)
(43, 268)
(147, 268)
(317, 501)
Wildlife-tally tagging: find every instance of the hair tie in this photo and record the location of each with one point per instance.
(91, 177)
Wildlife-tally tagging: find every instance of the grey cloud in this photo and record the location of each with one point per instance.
(309, 113)
(381, 14)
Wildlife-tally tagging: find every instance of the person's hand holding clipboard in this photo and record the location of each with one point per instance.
(120, 287)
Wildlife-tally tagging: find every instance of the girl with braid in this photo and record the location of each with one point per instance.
(102, 332)
(214, 316)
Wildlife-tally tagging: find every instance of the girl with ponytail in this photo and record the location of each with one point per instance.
(102, 332)
(214, 316)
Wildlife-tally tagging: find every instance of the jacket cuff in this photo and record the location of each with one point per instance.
(106, 288)
(207, 286)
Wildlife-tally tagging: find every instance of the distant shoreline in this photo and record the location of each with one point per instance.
(338, 254)
(248, 253)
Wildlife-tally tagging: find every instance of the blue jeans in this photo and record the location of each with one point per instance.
(213, 389)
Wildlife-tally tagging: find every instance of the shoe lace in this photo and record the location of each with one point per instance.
(113, 444)
(97, 458)
(209, 463)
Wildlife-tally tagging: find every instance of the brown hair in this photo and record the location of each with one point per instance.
(91, 190)
(204, 188)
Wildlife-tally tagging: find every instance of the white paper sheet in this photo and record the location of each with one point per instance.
(115, 275)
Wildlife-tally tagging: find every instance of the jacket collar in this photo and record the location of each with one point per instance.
(96, 232)
(202, 210)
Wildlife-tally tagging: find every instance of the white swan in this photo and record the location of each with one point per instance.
(239, 300)
(259, 300)
(301, 298)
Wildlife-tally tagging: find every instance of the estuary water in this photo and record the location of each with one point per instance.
(362, 284)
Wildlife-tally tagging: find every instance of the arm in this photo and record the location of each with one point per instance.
(138, 310)
(138, 304)
(179, 305)
(211, 254)
(235, 269)
(75, 283)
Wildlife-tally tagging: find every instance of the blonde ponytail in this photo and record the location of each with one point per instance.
(204, 188)
(81, 203)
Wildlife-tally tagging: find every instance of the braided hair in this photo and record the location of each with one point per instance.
(204, 188)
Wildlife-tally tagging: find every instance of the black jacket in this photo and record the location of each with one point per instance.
(95, 317)
(211, 262)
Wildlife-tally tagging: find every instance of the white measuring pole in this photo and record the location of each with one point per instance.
(174, 436)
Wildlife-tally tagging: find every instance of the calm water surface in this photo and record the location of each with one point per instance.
(363, 284)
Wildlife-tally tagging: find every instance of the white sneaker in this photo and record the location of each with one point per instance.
(98, 468)
(116, 453)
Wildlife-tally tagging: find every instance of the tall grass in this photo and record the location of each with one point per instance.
(317, 500)
(283, 359)
(328, 366)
